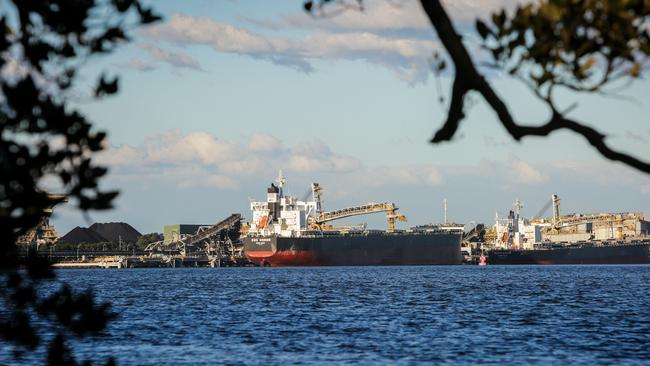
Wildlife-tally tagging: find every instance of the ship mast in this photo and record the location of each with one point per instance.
(281, 182)
(518, 206)
(444, 204)
(496, 228)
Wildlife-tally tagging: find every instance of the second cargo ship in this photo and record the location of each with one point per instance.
(604, 238)
(285, 231)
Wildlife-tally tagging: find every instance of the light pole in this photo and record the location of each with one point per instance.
(78, 246)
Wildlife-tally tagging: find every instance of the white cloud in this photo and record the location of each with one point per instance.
(213, 181)
(333, 163)
(173, 148)
(406, 57)
(122, 156)
(213, 162)
(141, 65)
(396, 35)
(601, 172)
(245, 166)
(468, 10)
(524, 173)
(202, 159)
(388, 16)
(222, 36)
(420, 175)
(173, 58)
(157, 55)
(376, 16)
(347, 181)
(264, 142)
(316, 156)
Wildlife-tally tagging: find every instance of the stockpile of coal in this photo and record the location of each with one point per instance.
(116, 231)
(111, 232)
(80, 235)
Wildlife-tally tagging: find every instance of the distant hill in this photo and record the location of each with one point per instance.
(114, 231)
(80, 235)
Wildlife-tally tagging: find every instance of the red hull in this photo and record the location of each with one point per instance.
(281, 259)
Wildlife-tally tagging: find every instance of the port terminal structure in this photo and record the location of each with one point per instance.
(390, 208)
(44, 232)
(213, 242)
(516, 232)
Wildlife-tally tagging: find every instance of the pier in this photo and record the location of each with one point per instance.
(144, 261)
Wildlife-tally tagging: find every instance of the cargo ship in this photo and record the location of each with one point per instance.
(285, 231)
(604, 238)
(632, 252)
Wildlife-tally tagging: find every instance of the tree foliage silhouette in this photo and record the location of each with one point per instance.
(579, 45)
(43, 43)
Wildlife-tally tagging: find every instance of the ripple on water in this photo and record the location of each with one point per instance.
(373, 315)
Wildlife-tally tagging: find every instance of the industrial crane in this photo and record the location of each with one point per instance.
(390, 209)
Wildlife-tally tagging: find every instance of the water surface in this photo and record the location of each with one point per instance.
(374, 315)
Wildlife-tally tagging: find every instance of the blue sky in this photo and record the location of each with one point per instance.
(222, 94)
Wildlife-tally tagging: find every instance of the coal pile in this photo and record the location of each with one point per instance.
(80, 235)
(111, 232)
(116, 232)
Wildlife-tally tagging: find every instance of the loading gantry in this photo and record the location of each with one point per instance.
(210, 239)
(317, 221)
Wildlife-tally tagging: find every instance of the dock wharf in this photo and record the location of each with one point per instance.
(165, 261)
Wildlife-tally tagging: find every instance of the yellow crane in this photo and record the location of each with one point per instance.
(390, 208)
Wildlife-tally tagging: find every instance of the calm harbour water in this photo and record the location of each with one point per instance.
(373, 315)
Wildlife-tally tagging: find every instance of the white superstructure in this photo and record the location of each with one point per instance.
(517, 232)
(288, 216)
(283, 215)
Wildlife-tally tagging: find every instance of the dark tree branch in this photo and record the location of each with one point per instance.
(467, 78)
(455, 114)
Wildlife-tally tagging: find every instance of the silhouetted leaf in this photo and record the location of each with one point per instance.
(482, 29)
(58, 353)
(50, 39)
(147, 15)
(441, 66)
(106, 87)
